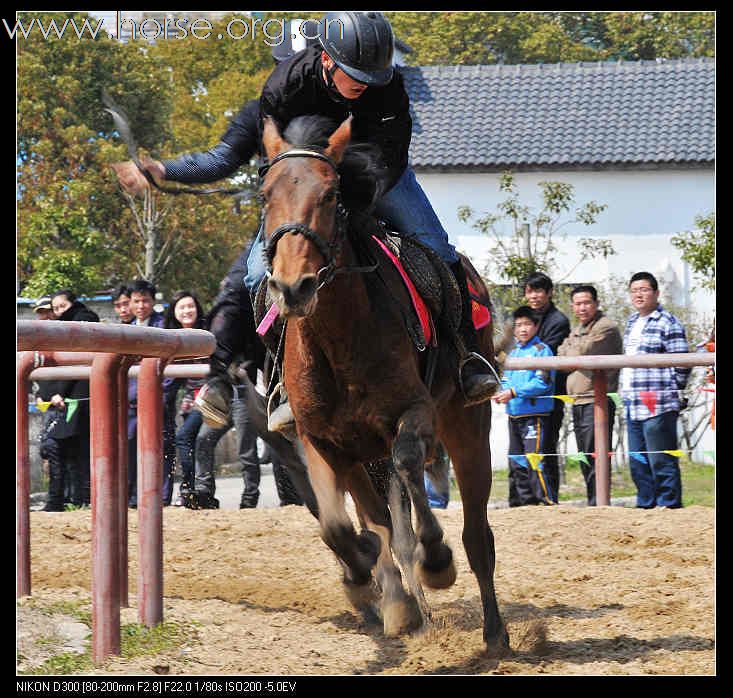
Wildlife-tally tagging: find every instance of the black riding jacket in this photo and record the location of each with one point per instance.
(296, 87)
(381, 114)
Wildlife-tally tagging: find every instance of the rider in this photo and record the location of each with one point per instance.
(349, 71)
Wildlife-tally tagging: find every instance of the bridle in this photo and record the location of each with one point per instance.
(328, 250)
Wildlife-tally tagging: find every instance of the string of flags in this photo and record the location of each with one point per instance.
(71, 405)
(535, 459)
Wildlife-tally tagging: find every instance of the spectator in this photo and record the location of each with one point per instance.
(554, 326)
(185, 312)
(595, 334)
(142, 299)
(651, 397)
(121, 304)
(65, 440)
(527, 395)
(206, 441)
(42, 309)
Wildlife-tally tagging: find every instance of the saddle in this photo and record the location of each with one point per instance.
(435, 296)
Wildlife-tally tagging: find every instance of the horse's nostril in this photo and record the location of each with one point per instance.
(305, 288)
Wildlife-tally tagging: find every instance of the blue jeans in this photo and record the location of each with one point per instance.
(186, 444)
(656, 475)
(404, 208)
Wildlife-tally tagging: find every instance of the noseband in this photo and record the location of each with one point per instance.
(328, 250)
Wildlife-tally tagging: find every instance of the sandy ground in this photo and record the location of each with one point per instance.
(583, 591)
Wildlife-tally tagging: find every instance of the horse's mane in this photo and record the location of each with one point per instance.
(364, 174)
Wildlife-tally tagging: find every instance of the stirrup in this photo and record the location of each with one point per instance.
(486, 395)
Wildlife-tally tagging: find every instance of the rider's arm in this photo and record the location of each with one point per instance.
(236, 147)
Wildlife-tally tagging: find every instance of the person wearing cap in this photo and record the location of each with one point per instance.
(42, 309)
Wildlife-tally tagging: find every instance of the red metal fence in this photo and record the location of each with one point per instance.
(104, 354)
(110, 350)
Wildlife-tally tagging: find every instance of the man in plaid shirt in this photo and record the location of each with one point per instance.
(652, 397)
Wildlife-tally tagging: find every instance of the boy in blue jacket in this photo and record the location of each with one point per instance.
(527, 395)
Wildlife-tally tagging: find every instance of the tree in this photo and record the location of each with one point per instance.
(469, 38)
(530, 244)
(698, 249)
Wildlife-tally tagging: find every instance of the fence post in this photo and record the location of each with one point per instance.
(600, 425)
(103, 386)
(149, 491)
(122, 409)
(26, 363)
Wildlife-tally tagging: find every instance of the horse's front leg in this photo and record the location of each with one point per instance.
(415, 437)
(357, 553)
(400, 610)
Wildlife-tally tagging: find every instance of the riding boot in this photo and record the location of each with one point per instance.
(214, 400)
(477, 377)
(282, 419)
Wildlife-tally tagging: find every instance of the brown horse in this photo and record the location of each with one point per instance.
(353, 377)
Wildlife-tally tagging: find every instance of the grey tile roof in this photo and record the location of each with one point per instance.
(563, 114)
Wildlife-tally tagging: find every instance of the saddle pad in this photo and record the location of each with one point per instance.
(480, 314)
(418, 303)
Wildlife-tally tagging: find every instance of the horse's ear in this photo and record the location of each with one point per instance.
(273, 142)
(339, 140)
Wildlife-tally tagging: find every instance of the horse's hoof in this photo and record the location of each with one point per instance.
(363, 597)
(437, 579)
(498, 646)
(401, 616)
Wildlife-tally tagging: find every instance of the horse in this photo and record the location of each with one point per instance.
(355, 384)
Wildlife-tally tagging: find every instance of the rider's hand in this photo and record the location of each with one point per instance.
(132, 180)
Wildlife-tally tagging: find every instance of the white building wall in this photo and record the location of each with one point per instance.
(645, 209)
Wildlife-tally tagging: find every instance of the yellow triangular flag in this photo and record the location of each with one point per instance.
(534, 460)
(43, 406)
(676, 454)
(565, 398)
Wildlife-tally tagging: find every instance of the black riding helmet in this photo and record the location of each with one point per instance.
(361, 44)
(297, 35)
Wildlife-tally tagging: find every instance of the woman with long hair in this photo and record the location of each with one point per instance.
(184, 312)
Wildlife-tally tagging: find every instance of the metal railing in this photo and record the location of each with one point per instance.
(110, 350)
(599, 365)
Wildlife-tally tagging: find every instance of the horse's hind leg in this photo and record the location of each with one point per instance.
(414, 435)
(357, 553)
(400, 611)
(467, 441)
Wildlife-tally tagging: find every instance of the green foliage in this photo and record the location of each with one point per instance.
(698, 249)
(470, 38)
(530, 243)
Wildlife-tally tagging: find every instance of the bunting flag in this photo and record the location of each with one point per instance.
(676, 453)
(520, 460)
(577, 458)
(649, 398)
(43, 406)
(638, 455)
(534, 459)
(616, 399)
(565, 398)
(710, 454)
(71, 406)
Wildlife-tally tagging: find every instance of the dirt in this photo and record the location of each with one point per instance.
(583, 591)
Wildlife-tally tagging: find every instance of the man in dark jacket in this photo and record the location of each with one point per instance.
(65, 440)
(554, 327)
(142, 301)
(349, 72)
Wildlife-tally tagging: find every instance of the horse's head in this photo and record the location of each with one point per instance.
(302, 216)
